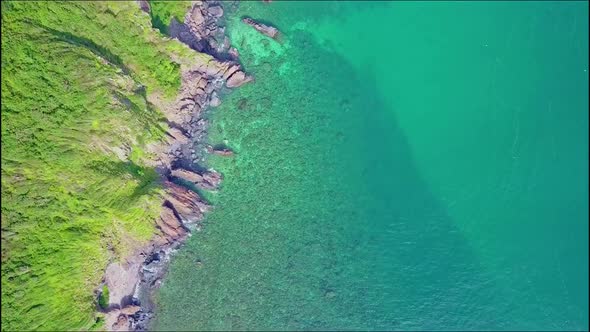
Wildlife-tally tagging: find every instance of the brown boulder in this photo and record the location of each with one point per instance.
(197, 16)
(231, 70)
(130, 310)
(202, 83)
(237, 79)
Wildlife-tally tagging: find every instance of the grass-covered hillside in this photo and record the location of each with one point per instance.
(162, 12)
(76, 191)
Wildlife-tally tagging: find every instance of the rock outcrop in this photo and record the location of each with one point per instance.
(187, 175)
(264, 29)
(171, 227)
(220, 151)
(201, 29)
(186, 203)
(121, 324)
(144, 5)
(208, 180)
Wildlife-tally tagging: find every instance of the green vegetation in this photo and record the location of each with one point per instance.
(162, 13)
(77, 81)
(98, 324)
(103, 298)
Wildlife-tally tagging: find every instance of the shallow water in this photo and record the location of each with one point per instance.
(399, 166)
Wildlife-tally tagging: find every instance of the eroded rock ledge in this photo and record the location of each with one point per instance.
(133, 281)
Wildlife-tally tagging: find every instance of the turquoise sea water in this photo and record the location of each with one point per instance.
(399, 166)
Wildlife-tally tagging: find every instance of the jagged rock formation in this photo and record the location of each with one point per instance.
(171, 227)
(121, 323)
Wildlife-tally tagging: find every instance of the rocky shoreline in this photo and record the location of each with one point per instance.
(131, 283)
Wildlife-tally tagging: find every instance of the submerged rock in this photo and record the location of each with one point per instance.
(214, 100)
(264, 29)
(216, 11)
(233, 52)
(220, 151)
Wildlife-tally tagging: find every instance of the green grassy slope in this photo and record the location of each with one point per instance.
(75, 77)
(162, 13)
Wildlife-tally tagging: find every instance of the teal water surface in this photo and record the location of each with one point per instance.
(399, 166)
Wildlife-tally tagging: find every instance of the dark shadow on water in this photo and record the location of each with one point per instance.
(127, 300)
(433, 280)
(438, 271)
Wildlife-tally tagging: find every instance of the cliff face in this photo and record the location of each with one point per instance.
(176, 159)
